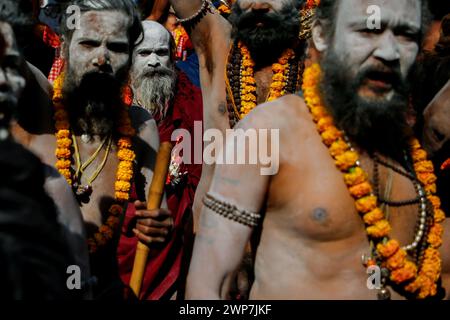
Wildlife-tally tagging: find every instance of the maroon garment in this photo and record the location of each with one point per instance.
(162, 274)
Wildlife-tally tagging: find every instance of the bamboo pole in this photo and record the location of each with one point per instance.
(154, 199)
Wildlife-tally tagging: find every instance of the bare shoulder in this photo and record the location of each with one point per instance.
(287, 113)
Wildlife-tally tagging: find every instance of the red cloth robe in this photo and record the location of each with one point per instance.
(164, 267)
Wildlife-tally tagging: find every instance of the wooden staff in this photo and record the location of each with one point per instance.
(155, 196)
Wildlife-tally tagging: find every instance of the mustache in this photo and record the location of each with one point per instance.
(381, 72)
(158, 71)
(249, 20)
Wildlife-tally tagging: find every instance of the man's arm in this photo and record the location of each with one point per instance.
(153, 226)
(220, 243)
(210, 36)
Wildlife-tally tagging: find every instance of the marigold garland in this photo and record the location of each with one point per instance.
(419, 281)
(124, 174)
(248, 83)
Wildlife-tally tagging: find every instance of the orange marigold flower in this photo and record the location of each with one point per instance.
(124, 143)
(62, 153)
(61, 115)
(435, 201)
(360, 190)
(126, 166)
(63, 164)
(379, 230)
(331, 135)
(427, 178)
(431, 188)
(318, 113)
(126, 155)
(61, 134)
(416, 284)
(347, 160)
(373, 216)
(325, 123)
(415, 144)
(439, 215)
(389, 249)
(355, 176)
(428, 289)
(63, 143)
(419, 155)
(279, 77)
(424, 167)
(277, 68)
(277, 85)
(435, 235)
(366, 204)
(338, 148)
(397, 260)
(405, 273)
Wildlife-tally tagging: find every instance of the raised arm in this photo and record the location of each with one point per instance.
(210, 33)
(220, 242)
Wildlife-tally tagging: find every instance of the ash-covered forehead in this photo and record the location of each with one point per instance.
(99, 24)
(155, 36)
(397, 14)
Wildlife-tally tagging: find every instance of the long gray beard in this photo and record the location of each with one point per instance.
(154, 93)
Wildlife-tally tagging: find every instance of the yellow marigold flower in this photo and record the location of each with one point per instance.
(318, 112)
(277, 85)
(64, 143)
(415, 144)
(431, 188)
(126, 166)
(366, 204)
(122, 186)
(346, 160)
(248, 80)
(397, 260)
(325, 123)
(279, 77)
(62, 153)
(248, 97)
(126, 155)
(424, 167)
(389, 249)
(379, 230)
(247, 63)
(61, 134)
(419, 155)
(355, 176)
(373, 216)
(331, 135)
(123, 196)
(338, 147)
(439, 215)
(360, 190)
(277, 68)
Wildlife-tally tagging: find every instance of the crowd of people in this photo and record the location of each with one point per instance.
(354, 93)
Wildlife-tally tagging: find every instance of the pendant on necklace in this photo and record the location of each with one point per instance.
(83, 193)
(85, 138)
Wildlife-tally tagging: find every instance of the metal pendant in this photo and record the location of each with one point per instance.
(83, 193)
(384, 294)
(85, 138)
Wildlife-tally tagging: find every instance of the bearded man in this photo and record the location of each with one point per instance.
(174, 101)
(102, 148)
(354, 195)
(262, 33)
